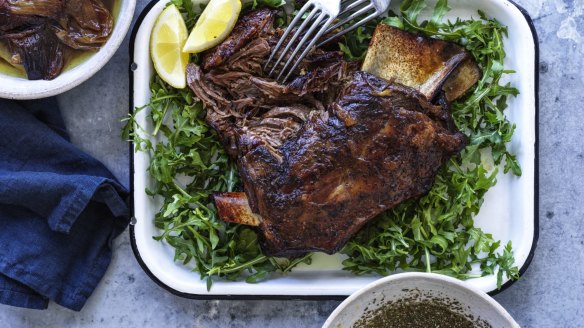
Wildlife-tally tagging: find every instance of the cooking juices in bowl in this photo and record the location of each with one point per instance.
(40, 39)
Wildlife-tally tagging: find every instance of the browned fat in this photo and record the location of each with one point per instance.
(233, 207)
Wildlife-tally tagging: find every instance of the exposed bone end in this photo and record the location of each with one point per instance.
(422, 63)
(233, 207)
(462, 79)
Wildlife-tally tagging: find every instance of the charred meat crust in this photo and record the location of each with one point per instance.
(377, 146)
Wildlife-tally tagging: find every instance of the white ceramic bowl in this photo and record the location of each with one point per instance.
(21, 88)
(423, 285)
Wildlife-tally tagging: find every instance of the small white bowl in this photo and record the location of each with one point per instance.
(21, 88)
(475, 302)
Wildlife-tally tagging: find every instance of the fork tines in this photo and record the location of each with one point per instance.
(319, 14)
(351, 10)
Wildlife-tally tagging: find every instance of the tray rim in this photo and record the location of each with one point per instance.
(522, 270)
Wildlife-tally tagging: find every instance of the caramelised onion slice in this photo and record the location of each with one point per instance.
(87, 26)
(40, 51)
(41, 8)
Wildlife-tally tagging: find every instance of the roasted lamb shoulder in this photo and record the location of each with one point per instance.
(323, 155)
(378, 145)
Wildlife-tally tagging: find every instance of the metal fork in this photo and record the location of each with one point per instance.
(321, 14)
(318, 11)
(351, 10)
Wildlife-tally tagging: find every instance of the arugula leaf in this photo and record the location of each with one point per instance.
(411, 9)
(189, 11)
(439, 11)
(355, 43)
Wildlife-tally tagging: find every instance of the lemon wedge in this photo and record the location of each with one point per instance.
(166, 42)
(214, 25)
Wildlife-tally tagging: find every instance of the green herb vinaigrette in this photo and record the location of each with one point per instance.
(418, 314)
(435, 233)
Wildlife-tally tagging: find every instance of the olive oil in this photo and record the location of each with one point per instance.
(5, 67)
(73, 58)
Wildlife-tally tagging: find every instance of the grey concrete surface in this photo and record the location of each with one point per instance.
(550, 294)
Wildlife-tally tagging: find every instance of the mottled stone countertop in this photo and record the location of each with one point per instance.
(550, 294)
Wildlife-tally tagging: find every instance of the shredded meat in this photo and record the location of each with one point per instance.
(241, 100)
(247, 29)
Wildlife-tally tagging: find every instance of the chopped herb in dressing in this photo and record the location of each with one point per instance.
(418, 314)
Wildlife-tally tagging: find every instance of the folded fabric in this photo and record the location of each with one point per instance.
(60, 209)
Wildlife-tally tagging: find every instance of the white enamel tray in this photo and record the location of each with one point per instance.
(509, 211)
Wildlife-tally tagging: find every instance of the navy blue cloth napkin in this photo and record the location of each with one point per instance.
(60, 209)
